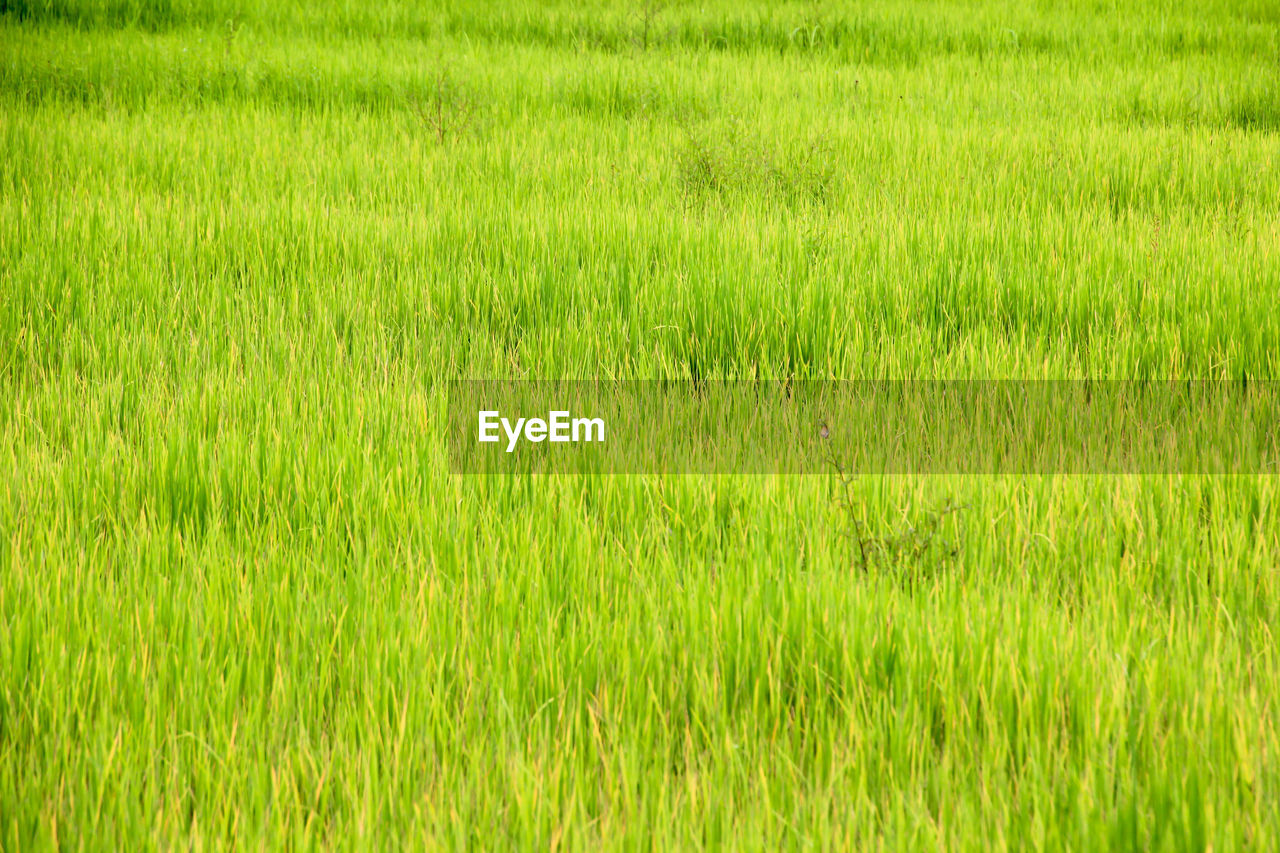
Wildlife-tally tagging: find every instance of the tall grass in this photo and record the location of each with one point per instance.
(243, 603)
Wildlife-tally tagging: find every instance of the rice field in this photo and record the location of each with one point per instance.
(245, 246)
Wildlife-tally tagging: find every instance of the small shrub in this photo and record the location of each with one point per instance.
(447, 109)
(922, 541)
(727, 163)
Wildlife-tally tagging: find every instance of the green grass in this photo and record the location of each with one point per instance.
(243, 245)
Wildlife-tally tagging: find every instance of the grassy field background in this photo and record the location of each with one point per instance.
(243, 244)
